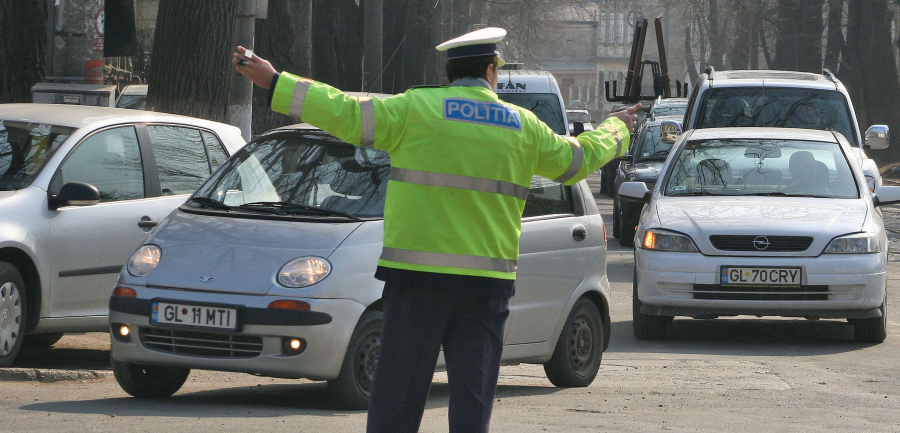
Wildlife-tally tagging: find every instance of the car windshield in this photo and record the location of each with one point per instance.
(762, 167)
(649, 145)
(575, 116)
(300, 172)
(669, 110)
(136, 102)
(545, 105)
(777, 107)
(24, 150)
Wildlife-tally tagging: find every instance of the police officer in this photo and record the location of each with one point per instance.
(461, 166)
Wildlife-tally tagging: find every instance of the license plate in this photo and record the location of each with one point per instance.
(194, 316)
(763, 277)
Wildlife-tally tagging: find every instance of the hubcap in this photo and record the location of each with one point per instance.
(581, 343)
(367, 359)
(10, 317)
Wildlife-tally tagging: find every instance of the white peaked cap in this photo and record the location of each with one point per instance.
(479, 43)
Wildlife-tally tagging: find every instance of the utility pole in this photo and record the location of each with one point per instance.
(372, 14)
(240, 97)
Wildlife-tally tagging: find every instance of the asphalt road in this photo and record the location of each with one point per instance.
(742, 374)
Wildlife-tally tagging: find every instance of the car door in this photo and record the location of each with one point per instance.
(552, 261)
(91, 244)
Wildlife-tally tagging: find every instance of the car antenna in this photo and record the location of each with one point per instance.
(387, 64)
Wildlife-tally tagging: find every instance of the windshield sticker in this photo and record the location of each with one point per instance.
(482, 113)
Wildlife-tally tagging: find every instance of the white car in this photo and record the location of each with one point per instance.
(80, 188)
(762, 222)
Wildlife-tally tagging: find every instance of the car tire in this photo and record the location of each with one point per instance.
(646, 326)
(872, 330)
(350, 390)
(149, 381)
(617, 220)
(13, 313)
(627, 226)
(41, 341)
(579, 349)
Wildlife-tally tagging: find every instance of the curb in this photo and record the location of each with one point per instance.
(49, 376)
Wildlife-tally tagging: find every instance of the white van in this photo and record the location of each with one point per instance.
(537, 91)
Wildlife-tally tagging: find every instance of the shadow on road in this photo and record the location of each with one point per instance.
(249, 401)
(63, 359)
(742, 337)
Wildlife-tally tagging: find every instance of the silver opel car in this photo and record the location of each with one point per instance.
(269, 269)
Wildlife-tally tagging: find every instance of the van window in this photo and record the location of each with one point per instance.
(545, 105)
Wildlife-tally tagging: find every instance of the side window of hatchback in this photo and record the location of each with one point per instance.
(180, 158)
(547, 197)
(109, 160)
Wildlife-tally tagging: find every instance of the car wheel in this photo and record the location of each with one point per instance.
(872, 330)
(149, 381)
(579, 350)
(627, 225)
(13, 311)
(350, 390)
(40, 341)
(646, 326)
(617, 220)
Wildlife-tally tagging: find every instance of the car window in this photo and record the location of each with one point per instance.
(545, 106)
(214, 149)
(650, 146)
(109, 160)
(547, 197)
(669, 110)
(778, 107)
(180, 158)
(762, 167)
(135, 102)
(24, 149)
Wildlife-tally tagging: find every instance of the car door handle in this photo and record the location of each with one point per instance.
(579, 233)
(147, 223)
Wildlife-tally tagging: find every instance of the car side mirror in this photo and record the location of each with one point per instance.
(887, 195)
(577, 128)
(878, 137)
(669, 130)
(75, 194)
(637, 191)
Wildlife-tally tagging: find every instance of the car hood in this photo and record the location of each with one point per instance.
(241, 255)
(701, 217)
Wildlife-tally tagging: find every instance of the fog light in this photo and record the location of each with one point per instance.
(121, 332)
(292, 346)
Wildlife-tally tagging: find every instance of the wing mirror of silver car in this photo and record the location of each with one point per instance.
(669, 130)
(75, 194)
(878, 137)
(636, 190)
(887, 195)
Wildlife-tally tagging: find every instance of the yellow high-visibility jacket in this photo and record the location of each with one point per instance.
(461, 167)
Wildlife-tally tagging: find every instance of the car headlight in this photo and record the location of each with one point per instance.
(858, 243)
(303, 272)
(659, 240)
(144, 260)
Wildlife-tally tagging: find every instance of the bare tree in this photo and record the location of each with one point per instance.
(23, 41)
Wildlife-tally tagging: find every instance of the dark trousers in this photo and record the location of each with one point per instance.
(417, 322)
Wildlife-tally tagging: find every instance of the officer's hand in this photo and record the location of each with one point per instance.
(627, 115)
(257, 69)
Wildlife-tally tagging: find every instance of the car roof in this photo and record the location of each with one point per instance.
(135, 89)
(766, 78)
(671, 101)
(763, 133)
(78, 116)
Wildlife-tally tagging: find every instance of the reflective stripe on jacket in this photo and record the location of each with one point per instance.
(461, 167)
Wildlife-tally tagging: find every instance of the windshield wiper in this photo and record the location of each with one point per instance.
(209, 202)
(282, 207)
(783, 194)
(692, 193)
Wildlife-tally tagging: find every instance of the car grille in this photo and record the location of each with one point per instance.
(745, 243)
(199, 343)
(802, 293)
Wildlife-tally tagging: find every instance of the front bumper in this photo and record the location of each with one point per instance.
(325, 330)
(853, 285)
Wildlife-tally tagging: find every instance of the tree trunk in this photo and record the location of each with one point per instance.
(744, 28)
(716, 36)
(809, 36)
(373, 25)
(835, 37)
(337, 43)
(23, 42)
(869, 71)
(285, 39)
(689, 56)
(191, 63)
(786, 35)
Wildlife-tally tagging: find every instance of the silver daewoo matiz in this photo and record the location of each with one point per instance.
(269, 269)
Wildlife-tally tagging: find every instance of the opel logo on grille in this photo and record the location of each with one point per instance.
(761, 242)
(207, 279)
